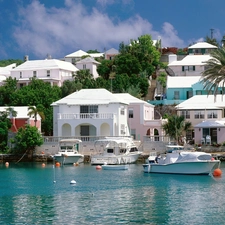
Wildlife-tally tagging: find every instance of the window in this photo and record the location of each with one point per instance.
(84, 67)
(199, 114)
(34, 73)
(198, 92)
(185, 114)
(176, 95)
(189, 94)
(188, 68)
(122, 112)
(122, 129)
(48, 73)
(87, 110)
(21, 75)
(131, 113)
(74, 61)
(212, 114)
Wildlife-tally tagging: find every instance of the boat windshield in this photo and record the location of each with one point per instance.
(134, 149)
(66, 147)
(110, 150)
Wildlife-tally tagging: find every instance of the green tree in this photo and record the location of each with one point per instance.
(69, 87)
(176, 126)
(85, 78)
(127, 64)
(146, 53)
(213, 78)
(105, 68)
(5, 125)
(162, 80)
(35, 111)
(8, 62)
(7, 91)
(26, 140)
(37, 93)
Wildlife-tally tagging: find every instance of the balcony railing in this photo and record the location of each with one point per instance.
(78, 116)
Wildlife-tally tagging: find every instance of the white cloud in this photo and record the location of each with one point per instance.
(61, 31)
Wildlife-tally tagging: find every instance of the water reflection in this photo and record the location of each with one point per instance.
(29, 196)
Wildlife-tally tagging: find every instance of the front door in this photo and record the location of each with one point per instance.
(84, 130)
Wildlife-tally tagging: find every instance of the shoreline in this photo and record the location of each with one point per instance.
(48, 158)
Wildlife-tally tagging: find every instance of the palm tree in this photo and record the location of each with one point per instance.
(213, 78)
(11, 112)
(34, 112)
(176, 126)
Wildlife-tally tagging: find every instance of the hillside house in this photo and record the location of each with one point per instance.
(53, 71)
(207, 115)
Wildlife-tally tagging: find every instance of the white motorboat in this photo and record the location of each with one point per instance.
(182, 162)
(69, 152)
(115, 167)
(114, 151)
(151, 158)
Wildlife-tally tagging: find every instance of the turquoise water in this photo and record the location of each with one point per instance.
(29, 195)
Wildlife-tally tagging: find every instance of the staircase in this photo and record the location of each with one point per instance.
(151, 91)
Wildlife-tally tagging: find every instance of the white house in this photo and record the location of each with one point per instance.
(207, 116)
(98, 112)
(90, 112)
(90, 64)
(194, 63)
(77, 56)
(5, 72)
(53, 71)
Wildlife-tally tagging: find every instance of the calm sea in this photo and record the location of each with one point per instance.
(29, 195)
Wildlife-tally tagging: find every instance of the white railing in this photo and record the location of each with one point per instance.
(79, 116)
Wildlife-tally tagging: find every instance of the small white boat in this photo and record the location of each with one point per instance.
(69, 152)
(151, 158)
(115, 167)
(182, 162)
(114, 151)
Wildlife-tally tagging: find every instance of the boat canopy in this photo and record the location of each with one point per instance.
(71, 140)
(193, 156)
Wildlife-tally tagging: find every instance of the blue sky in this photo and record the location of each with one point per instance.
(60, 27)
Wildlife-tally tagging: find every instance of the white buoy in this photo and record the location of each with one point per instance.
(73, 182)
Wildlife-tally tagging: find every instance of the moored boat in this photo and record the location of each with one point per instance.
(115, 150)
(115, 167)
(69, 152)
(182, 162)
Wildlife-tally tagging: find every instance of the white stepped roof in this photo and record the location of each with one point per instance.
(191, 60)
(211, 123)
(182, 81)
(87, 60)
(78, 53)
(203, 102)
(90, 97)
(202, 45)
(131, 99)
(46, 64)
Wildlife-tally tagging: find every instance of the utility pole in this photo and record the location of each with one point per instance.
(212, 33)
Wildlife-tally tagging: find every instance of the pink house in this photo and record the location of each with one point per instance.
(141, 120)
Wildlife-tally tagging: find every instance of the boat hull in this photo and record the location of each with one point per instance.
(115, 167)
(114, 160)
(69, 159)
(188, 168)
